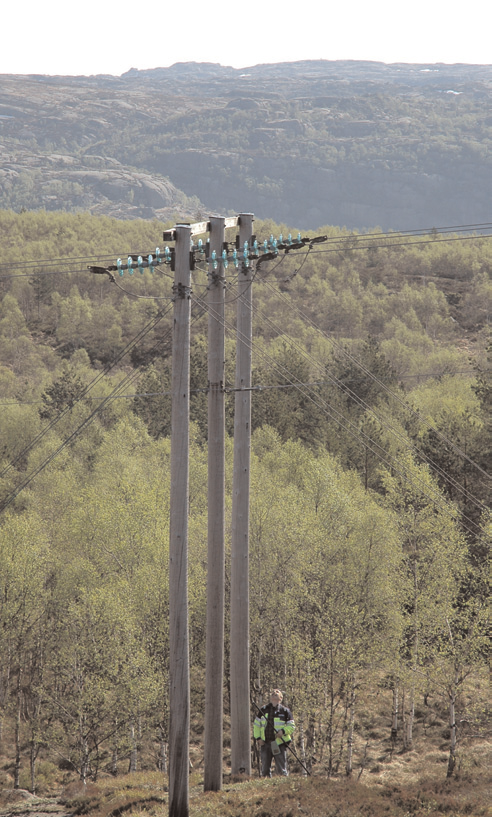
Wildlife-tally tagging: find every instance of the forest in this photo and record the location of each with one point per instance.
(370, 494)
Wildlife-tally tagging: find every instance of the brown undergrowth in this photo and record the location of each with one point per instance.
(145, 795)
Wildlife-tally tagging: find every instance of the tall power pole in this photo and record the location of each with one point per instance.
(239, 636)
(179, 666)
(216, 512)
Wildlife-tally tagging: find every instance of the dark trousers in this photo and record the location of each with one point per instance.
(280, 760)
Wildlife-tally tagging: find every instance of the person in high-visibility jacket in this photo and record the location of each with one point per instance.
(272, 729)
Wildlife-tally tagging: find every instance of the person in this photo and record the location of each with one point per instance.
(272, 730)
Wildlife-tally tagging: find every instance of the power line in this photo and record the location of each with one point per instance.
(258, 387)
(83, 394)
(360, 436)
(127, 380)
(363, 439)
(343, 351)
(356, 241)
(298, 385)
(384, 423)
(361, 246)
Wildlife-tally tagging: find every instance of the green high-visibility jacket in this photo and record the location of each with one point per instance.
(282, 720)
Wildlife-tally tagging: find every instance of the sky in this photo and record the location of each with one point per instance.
(108, 37)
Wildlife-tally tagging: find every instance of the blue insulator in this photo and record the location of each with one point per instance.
(151, 263)
(167, 255)
(265, 246)
(200, 245)
(235, 259)
(225, 262)
(274, 246)
(129, 264)
(280, 239)
(157, 255)
(246, 255)
(289, 239)
(119, 266)
(255, 248)
(214, 260)
(270, 240)
(299, 237)
(140, 264)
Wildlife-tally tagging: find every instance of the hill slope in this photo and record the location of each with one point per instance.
(308, 143)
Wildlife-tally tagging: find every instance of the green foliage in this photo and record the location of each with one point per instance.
(358, 554)
(61, 395)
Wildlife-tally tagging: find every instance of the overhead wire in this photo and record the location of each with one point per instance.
(356, 433)
(359, 245)
(127, 380)
(357, 239)
(384, 423)
(85, 391)
(394, 395)
(338, 239)
(421, 455)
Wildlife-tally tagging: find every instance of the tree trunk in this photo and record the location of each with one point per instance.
(331, 718)
(133, 751)
(394, 720)
(302, 745)
(114, 761)
(34, 750)
(410, 720)
(163, 749)
(17, 734)
(114, 755)
(350, 734)
(453, 736)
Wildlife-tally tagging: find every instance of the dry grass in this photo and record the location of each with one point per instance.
(386, 782)
(396, 791)
(143, 795)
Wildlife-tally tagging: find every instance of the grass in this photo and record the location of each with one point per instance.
(312, 797)
(387, 782)
(144, 795)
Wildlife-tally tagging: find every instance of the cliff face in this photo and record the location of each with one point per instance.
(311, 143)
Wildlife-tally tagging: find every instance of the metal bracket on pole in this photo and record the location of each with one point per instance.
(181, 291)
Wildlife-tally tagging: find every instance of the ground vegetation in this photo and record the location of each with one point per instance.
(370, 496)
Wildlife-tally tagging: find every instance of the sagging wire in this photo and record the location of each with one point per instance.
(357, 433)
(128, 348)
(386, 425)
(343, 351)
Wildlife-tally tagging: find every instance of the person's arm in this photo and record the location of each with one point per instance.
(288, 728)
(258, 729)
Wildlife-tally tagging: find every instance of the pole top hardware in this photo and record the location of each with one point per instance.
(200, 227)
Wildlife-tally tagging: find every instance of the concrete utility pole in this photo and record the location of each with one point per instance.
(239, 636)
(179, 666)
(216, 513)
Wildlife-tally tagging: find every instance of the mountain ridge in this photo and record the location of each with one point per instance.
(308, 143)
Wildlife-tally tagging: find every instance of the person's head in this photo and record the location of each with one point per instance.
(276, 697)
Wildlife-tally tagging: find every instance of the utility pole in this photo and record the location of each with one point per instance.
(213, 748)
(179, 665)
(239, 635)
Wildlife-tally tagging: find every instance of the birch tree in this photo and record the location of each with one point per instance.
(434, 555)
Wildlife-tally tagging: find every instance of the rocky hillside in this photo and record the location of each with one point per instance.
(309, 143)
